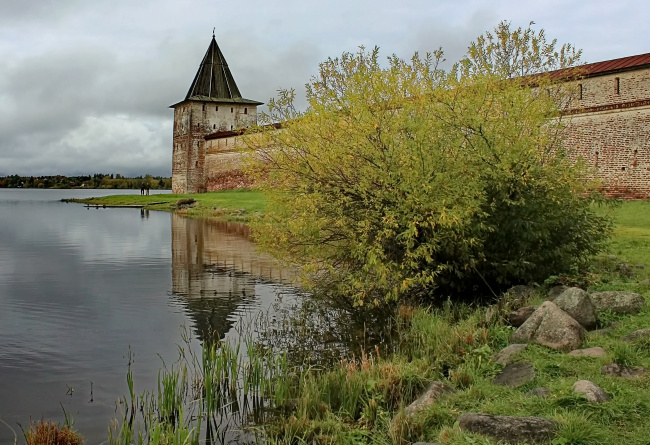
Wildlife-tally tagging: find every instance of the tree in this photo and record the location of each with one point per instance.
(406, 181)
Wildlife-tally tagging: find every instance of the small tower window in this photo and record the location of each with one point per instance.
(216, 108)
(617, 85)
(203, 107)
(198, 126)
(214, 126)
(231, 109)
(231, 127)
(579, 91)
(245, 110)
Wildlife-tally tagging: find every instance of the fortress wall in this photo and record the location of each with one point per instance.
(610, 130)
(223, 163)
(616, 145)
(608, 127)
(601, 90)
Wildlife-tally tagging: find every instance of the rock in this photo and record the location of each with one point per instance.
(640, 333)
(515, 375)
(593, 393)
(521, 292)
(550, 326)
(645, 282)
(627, 372)
(509, 429)
(434, 392)
(507, 354)
(556, 291)
(538, 392)
(618, 301)
(640, 266)
(625, 270)
(577, 303)
(589, 352)
(518, 317)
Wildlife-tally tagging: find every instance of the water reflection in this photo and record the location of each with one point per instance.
(80, 288)
(219, 273)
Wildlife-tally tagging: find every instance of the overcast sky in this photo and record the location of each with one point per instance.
(85, 85)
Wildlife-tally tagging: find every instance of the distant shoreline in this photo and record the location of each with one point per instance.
(228, 205)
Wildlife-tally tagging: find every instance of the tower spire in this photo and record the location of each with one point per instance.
(214, 78)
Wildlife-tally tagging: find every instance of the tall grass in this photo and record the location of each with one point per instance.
(230, 385)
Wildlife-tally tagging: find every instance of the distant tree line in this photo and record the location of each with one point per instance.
(96, 181)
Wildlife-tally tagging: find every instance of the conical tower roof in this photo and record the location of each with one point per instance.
(214, 81)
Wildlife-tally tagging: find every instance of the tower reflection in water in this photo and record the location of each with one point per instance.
(219, 275)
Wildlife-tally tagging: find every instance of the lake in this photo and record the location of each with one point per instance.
(82, 288)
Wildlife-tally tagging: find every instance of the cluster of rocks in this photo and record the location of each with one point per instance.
(559, 323)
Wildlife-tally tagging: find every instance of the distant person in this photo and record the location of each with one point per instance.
(142, 187)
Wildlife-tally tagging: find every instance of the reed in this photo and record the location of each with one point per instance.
(204, 395)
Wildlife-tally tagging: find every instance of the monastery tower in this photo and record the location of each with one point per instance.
(213, 106)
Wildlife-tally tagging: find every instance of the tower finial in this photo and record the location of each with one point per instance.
(213, 32)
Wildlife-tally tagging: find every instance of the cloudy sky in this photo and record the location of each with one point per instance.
(85, 85)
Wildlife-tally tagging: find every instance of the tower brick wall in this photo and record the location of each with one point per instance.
(213, 106)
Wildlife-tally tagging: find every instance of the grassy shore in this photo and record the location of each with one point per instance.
(363, 400)
(232, 205)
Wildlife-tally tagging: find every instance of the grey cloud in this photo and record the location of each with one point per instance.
(87, 85)
(31, 10)
(453, 38)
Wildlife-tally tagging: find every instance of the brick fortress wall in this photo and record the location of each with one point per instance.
(609, 128)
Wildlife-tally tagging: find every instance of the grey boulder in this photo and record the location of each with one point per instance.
(577, 303)
(596, 351)
(518, 317)
(619, 302)
(515, 375)
(432, 393)
(508, 428)
(592, 392)
(639, 333)
(550, 326)
(508, 354)
(627, 372)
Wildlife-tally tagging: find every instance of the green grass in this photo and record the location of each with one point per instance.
(362, 401)
(631, 240)
(234, 205)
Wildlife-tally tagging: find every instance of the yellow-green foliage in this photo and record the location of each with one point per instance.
(405, 180)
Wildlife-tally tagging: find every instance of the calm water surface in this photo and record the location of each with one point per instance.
(81, 287)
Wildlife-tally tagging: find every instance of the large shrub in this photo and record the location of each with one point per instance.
(408, 181)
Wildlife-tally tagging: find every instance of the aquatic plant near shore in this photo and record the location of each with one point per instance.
(210, 396)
